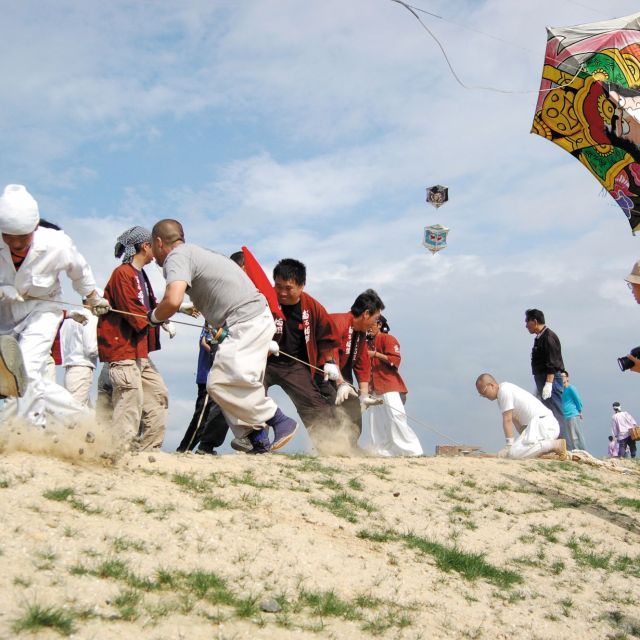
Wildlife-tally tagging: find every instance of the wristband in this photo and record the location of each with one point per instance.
(152, 318)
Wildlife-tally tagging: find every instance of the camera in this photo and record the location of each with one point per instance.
(625, 363)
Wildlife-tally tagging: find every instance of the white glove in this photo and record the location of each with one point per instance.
(189, 309)
(10, 294)
(504, 452)
(331, 371)
(170, 328)
(546, 390)
(367, 401)
(344, 391)
(98, 306)
(274, 348)
(79, 317)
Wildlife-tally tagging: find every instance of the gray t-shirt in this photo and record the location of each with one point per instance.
(218, 287)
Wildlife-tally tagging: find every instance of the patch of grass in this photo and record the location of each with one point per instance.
(588, 558)
(344, 505)
(4, 483)
(208, 586)
(380, 471)
(248, 478)
(469, 565)
(59, 495)
(386, 535)
(115, 569)
(313, 465)
(21, 582)
(548, 533)
(246, 607)
(557, 567)
(127, 604)
(355, 484)
(454, 493)
(121, 543)
(566, 604)
(191, 483)
(460, 510)
(628, 502)
(330, 483)
(37, 617)
(328, 604)
(211, 503)
(385, 621)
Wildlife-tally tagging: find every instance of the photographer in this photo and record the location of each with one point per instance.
(633, 282)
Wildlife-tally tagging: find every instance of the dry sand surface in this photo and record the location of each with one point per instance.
(169, 546)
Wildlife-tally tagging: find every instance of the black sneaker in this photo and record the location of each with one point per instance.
(241, 444)
(260, 441)
(206, 452)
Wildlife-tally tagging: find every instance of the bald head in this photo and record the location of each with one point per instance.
(168, 230)
(487, 386)
(165, 235)
(484, 378)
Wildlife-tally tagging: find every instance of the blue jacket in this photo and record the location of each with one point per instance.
(571, 403)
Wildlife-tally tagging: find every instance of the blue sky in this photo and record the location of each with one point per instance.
(310, 130)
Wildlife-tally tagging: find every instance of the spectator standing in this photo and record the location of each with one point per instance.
(612, 450)
(546, 365)
(621, 422)
(572, 410)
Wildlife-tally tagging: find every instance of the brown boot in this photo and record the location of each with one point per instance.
(13, 377)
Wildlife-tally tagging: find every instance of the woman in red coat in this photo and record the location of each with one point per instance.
(390, 433)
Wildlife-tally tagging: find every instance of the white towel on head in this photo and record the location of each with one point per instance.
(19, 213)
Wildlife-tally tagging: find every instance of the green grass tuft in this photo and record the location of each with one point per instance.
(470, 565)
(59, 495)
(36, 617)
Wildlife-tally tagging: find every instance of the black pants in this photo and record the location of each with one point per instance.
(213, 427)
(622, 447)
(312, 398)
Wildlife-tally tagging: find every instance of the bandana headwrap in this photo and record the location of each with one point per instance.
(126, 244)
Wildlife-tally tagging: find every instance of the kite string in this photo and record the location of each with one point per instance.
(412, 10)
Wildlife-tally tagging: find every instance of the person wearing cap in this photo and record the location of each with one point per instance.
(352, 357)
(31, 261)
(231, 304)
(621, 423)
(391, 435)
(546, 365)
(139, 396)
(530, 428)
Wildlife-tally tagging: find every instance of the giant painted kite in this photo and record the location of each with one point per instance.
(589, 103)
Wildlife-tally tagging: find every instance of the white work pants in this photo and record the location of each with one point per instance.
(78, 379)
(537, 438)
(390, 433)
(235, 382)
(35, 335)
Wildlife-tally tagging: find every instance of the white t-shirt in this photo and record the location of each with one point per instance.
(524, 405)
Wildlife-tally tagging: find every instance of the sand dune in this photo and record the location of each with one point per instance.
(279, 546)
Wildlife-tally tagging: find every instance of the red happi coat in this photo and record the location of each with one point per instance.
(320, 334)
(351, 342)
(384, 375)
(124, 337)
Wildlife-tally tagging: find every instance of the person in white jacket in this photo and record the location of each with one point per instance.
(31, 261)
(79, 348)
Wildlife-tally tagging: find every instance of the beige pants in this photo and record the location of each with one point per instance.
(140, 401)
(235, 381)
(78, 379)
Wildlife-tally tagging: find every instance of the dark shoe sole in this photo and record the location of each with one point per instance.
(13, 377)
(241, 444)
(278, 444)
(204, 452)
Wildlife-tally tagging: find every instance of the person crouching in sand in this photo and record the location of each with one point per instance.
(537, 427)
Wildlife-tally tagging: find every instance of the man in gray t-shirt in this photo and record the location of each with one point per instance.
(227, 298)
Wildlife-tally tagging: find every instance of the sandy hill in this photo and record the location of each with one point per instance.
(181, 546)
